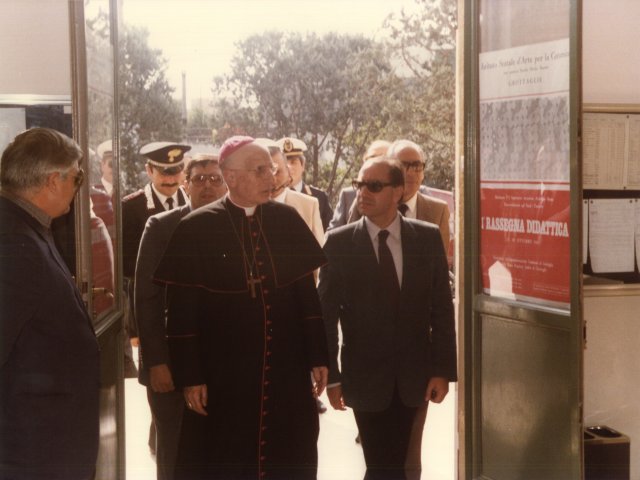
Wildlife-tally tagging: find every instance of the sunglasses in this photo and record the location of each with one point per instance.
(78, 178)
(374, 186)
(202, 179)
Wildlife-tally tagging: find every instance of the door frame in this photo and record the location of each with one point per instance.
(472, 302)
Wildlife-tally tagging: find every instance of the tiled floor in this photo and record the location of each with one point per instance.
(340, 458)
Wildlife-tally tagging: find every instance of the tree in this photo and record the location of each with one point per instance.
(340, 92)
(423, 43)
(324, 90)
(147, 110)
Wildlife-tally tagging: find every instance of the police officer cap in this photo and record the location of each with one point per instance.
(104, 148)
(292, 147)
(164, 154)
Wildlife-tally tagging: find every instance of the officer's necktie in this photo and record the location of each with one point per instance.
(387, 267)
(170, 203)
(403, 208)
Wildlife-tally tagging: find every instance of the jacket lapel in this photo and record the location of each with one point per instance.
(365, 257)
(409, 250)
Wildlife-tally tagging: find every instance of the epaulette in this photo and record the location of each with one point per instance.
(133, 195)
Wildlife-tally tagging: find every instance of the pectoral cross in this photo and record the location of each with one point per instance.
(251, 283)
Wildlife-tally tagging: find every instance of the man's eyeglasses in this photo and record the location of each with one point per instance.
(78, 178)
(201, 180)
(374, 186)
(415, 166)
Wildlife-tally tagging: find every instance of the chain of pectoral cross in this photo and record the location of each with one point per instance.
(252, 280)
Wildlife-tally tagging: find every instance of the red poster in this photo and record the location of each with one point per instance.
(524, 239)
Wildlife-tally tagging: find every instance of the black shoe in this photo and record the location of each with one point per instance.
(321, 407)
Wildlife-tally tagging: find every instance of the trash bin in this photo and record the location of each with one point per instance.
(606, 454)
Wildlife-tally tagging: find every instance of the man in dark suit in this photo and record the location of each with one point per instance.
(293, 150)
(387, 285)
(164, 166)
(203, 184)
(49, 358)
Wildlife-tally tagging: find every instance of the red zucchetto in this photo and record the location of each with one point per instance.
(232, 145)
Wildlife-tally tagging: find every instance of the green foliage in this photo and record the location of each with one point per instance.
(147, 110)
(423, 44)
(338, 93)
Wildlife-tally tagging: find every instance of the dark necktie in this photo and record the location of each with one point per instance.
(403, 208)
(170, 203)
(387, 267)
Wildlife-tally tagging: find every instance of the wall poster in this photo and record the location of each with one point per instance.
(524, 173)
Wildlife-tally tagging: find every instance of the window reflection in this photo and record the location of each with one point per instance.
(101, 161)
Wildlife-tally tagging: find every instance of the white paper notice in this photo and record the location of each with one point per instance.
(603, 150)
(585, 230)
(611, 235)
(638, 234)
(633, 164)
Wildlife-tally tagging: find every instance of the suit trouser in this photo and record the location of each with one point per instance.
(413, 462)
(167, 410)
(385, 439)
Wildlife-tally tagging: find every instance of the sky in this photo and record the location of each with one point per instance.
(198, 36)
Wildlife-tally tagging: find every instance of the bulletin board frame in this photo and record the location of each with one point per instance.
(612, 283)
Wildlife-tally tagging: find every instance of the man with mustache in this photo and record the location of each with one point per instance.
(164, 166)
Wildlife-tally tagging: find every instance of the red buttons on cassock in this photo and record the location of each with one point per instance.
(265, 291)
(266, 397)
(268, 354)
(263, 442)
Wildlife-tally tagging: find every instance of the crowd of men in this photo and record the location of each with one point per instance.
(240, 278)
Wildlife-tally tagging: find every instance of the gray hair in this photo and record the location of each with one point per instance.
(33, 155)
(378, 148)
(399, 145)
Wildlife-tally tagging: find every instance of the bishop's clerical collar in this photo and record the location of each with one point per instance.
(248, 211)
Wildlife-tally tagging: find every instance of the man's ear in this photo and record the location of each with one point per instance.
(53, 181)
(398, 193)
(149, 170)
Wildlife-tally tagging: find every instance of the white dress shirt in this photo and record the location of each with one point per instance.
(412, 205)
(163, 198)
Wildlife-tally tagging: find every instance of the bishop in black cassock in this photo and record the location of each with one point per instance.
(245, 320)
